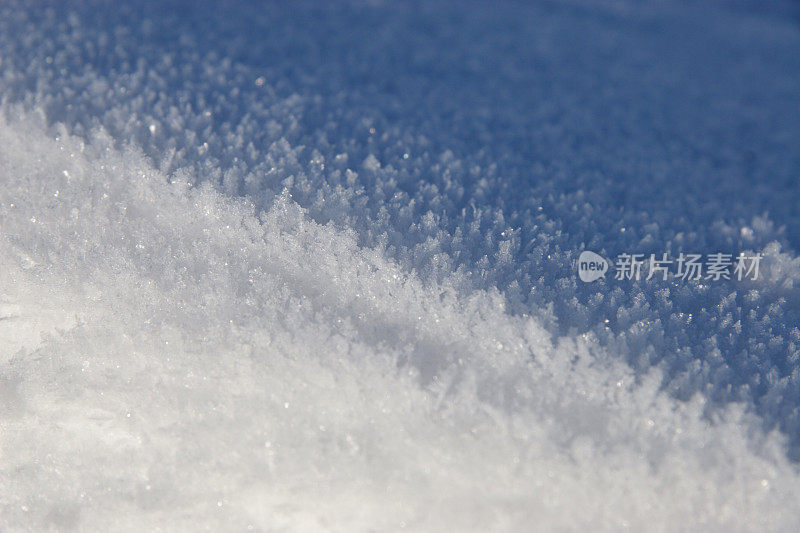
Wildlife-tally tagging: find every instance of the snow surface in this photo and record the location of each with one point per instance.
(311, 267)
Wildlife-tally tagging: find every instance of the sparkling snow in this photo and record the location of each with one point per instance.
(312, 267)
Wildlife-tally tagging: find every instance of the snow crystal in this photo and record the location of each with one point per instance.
(222, 366)
(312, 267)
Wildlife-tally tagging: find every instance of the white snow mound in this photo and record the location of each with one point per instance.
(174, 359)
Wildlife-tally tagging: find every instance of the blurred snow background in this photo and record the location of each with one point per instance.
(310, 266)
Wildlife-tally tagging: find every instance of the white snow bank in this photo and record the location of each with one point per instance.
(207, 365)
(498, 140)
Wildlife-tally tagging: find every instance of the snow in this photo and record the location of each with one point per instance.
(313, 269)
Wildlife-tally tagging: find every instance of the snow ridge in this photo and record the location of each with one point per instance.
(233, 369)
(255, 257)
(499, 142)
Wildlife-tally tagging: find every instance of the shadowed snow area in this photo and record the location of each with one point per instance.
(312, 267)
